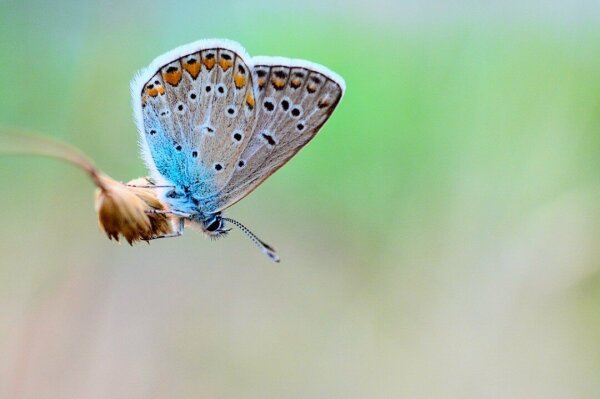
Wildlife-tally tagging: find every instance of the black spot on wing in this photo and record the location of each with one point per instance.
(270, 140)
(269, 106)
(280, 74)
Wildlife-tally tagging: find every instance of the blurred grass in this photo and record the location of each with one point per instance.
(443, 226)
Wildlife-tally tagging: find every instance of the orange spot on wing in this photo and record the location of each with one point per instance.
(209, 63)
(323, 103)
(172, 78)
(153, 92)
(240, 80)
(261, 82)
(295, 83)
(250, 100)
(193, 69)
(225, 64)
(278, 83)
(311, 88)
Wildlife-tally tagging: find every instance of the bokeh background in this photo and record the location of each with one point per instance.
(439, 237)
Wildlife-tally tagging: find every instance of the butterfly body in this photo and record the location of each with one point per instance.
(214, 122)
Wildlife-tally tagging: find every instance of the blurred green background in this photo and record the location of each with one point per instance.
(439, 237)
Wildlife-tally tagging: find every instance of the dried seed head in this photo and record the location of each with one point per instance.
(123, 210)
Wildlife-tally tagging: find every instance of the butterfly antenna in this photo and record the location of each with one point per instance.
(263, 246)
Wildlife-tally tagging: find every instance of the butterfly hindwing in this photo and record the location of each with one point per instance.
(294, 99)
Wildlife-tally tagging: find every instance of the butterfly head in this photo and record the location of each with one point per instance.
(213, 226)
(183, 200)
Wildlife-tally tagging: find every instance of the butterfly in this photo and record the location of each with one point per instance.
(214, 123)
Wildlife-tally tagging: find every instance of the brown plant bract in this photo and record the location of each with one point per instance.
(127, 211)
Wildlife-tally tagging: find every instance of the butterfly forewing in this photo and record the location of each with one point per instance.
(195, 109)
(294, 99)
(232, 111)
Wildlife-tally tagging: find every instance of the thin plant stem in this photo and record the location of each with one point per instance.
(25, 142)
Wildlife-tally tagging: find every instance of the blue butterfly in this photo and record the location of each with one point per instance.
(214, 123)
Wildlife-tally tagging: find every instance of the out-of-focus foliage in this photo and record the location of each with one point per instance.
(439, 237)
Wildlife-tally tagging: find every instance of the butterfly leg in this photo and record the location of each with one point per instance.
(139, 183)
(170, 212)
(180, 225)
(148, 186)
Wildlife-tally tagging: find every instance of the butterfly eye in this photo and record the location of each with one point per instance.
(214, 225)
